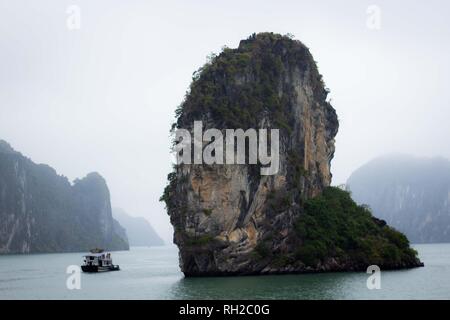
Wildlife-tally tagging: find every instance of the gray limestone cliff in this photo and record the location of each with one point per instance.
(41, 211)
(230, 219)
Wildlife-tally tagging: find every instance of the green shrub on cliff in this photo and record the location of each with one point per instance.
(333, 225)
(199, 240)
(238, 87)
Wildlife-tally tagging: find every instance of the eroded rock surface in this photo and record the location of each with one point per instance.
(230, 219)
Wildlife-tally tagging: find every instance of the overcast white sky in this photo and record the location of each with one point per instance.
(102, 98)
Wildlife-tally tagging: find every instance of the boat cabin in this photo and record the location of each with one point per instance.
(98, 259)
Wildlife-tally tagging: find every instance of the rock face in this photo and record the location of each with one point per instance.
(412, 194)
(230, 219)
(41, 211)
(139, 231)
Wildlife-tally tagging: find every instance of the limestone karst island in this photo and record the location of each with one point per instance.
(224, 158)
(230, 219)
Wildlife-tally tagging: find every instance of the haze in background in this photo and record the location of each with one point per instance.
(102, 98)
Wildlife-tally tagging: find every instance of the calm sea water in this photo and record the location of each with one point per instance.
(153, 273)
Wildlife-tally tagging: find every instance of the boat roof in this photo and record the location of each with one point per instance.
(96, 250)
(95, 254)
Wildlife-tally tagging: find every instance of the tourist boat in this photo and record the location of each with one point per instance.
(98, 260)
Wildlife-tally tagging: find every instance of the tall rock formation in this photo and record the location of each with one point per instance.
(139, 230)
(41, 211)
(230, 219)
(412, 194)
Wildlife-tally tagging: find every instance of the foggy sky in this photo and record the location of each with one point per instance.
(102, 98)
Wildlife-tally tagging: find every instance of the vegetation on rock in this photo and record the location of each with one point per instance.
(229, 219)
(333, 225)
(410, 193)
(238, 87)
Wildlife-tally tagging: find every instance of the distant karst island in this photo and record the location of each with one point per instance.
(230, 219)
(139, 230)
(411, 193)
(41, 211)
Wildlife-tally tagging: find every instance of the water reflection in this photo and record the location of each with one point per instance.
(307, 286)
(153, 273)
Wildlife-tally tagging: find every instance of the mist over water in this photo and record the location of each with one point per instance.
(153, 273)
(103, 96)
